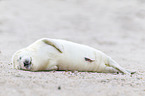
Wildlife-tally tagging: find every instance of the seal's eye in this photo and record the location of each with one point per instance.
(19, 59)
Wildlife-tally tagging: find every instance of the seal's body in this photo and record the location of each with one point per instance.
(47, 54)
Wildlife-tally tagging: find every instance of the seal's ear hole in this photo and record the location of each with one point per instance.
(20, 58)
(54, 44)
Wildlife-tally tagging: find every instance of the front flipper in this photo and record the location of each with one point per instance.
(52, 68)
(52, 65)
(88, 59)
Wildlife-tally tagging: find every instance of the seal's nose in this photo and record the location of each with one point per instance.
(26, 63)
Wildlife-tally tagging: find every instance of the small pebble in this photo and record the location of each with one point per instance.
(59, 88)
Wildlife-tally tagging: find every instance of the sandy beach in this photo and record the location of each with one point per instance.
(116, 27)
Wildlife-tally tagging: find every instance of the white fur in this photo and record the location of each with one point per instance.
(59, 54)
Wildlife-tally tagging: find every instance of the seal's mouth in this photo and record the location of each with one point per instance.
(26, 68)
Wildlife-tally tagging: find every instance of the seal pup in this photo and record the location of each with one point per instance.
(57, 54)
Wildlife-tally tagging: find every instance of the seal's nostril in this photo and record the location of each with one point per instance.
(26, 63)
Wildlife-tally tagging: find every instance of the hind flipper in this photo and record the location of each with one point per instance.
(115, 65)
(131, 72)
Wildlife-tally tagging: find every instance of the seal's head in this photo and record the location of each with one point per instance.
(38, 56)
(22, 60)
